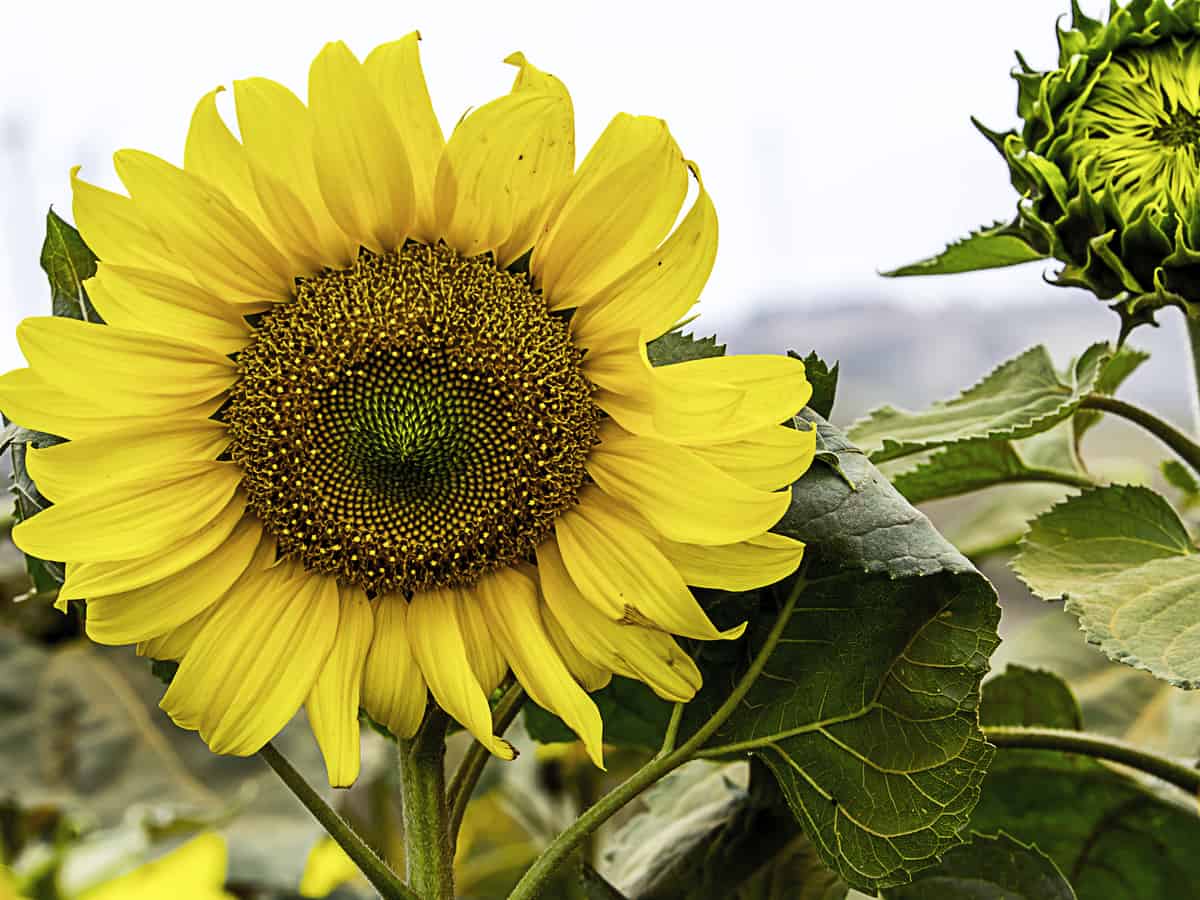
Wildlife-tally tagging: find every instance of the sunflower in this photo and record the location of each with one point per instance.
(371, 413)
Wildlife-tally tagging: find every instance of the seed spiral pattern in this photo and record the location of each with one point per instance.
(412, 421)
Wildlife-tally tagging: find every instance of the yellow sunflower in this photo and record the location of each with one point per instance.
(372, 413)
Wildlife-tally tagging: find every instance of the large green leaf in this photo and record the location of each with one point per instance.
(989, 868)
(1111, 837)
(68, 262)
(1022, 397)
(1124, 561)
(80, 730)
(988, 248)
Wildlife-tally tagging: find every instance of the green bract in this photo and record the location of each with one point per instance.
(1107, 161)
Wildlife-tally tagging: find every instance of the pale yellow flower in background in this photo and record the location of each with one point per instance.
(193, 871)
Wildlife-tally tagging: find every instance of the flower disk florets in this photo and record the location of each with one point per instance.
(412, 421)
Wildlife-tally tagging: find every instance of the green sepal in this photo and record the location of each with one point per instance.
(990, 247)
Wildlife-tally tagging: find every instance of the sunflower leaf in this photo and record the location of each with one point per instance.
(989, 868)
(675, 347)
(1128, 570)
(988, 248)
(823, 380)
(68, 262)
(1124, 362)
(1022, 397)
(1100, 827)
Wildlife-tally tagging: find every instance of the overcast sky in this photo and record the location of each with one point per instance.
(834, 137)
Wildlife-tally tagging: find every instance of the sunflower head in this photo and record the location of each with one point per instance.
(369, 414)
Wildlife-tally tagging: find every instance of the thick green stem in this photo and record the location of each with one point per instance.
(1193, 332)
(1066, 741)
(428, 854)
(375, 869)
(561, 847)
(458, 794)
(1184, 447)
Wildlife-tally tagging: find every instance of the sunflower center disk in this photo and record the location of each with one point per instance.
(413, 421)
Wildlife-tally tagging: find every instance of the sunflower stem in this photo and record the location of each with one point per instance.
(1193, 332)
(428, 854)
(382, 878)
(462, 785)
(1183, 446)
(672, 734)
(539, 874)
(1097, 746)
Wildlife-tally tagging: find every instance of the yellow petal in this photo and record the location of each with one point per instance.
(129, 372)
(648, 474)
(362, 164)
(27, 399)
(630, 650)
(225, 251)
(256, 658)
(327, 868)
(115, 230)
(395, 71)
(616, 567)
(620, 205)
(333, 702)
(437, 642)
(79, 467)
(509, 601)
(96, 579)
(148, 300)
(278, 134)
(131, 520)
(193, 871)
(744, 566)
(487, 661)
(214, 154)
(145, 612)
(775, 390)
(591, 676)
(393, 692)
(174, 644)
(658, 291)
(768, 459)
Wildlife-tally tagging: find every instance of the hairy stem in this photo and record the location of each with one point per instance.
(428, 855)
(1098, 746)
(375, 869)
(1183, 446)
(462, 785)
(1193, 333)
(561, 847)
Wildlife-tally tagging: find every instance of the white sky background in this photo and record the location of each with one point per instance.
(833, 137)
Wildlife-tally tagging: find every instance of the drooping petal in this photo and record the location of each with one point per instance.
(743, 566)
(128, 372)
(256, 658)
(362, 164)
(162, 304)
(487, 660)
(225, 251)
(654, 476)
(768, 459)
(630, 650)
(395, 71)
(96, 579)
(620, 205)
(114, 228)
(176, 642)
(437, 641)
(393, 692)
(333, 702)
(278, 134)
(591, 676)
(146, 612)
(618, 568)
(510, 604)
(659, 290)
(79, 467)
(129, 519)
